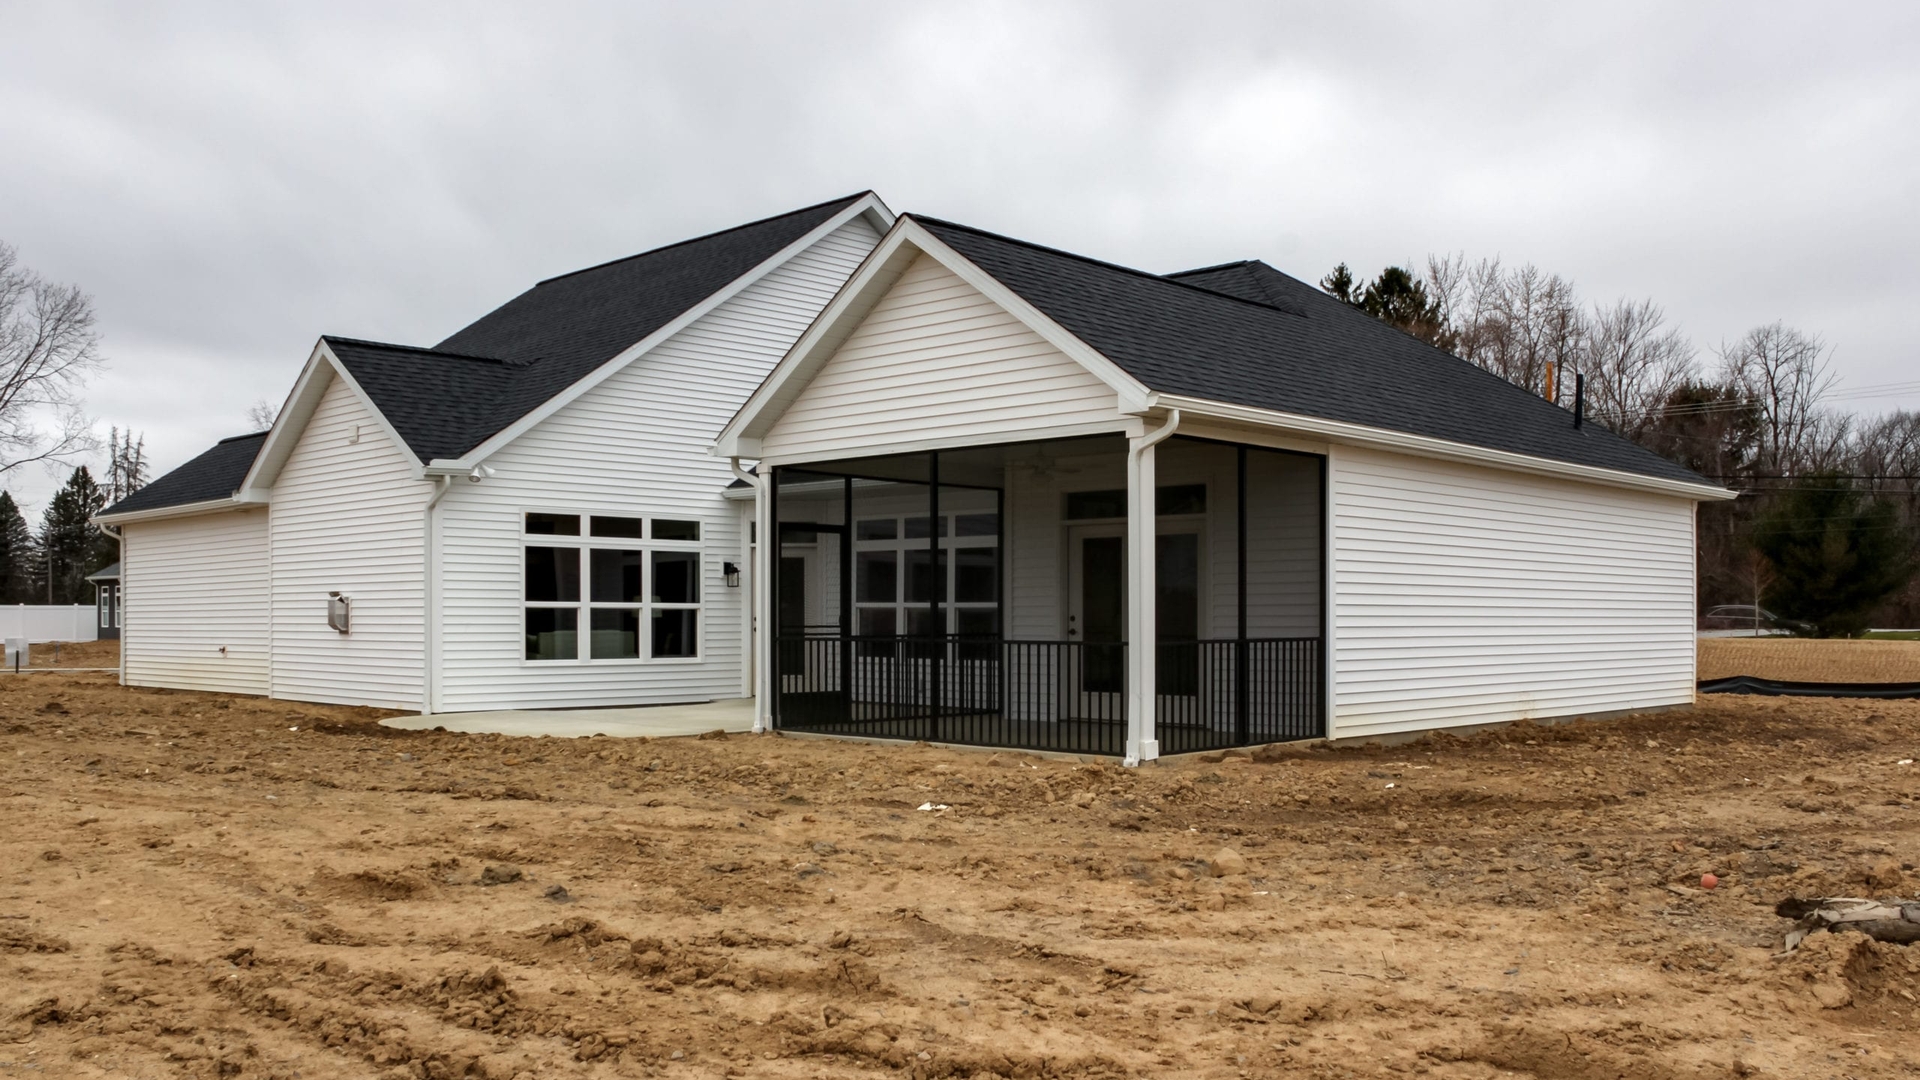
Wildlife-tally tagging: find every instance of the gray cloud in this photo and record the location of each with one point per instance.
(230, 181)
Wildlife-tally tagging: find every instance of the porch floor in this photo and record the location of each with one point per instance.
(654, 721)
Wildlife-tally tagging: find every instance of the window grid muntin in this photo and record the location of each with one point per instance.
(583, 544)
(908, 545)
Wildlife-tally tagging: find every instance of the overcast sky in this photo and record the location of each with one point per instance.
(230, 181)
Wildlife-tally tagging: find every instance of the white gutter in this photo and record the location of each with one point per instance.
(760, 601)
(205, 506)
(429, 676)
(1427, 446)
(1142, 745)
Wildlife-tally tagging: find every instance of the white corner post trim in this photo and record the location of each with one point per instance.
(119, 538)
(761, 660)
(430, 674)
(1142, 742)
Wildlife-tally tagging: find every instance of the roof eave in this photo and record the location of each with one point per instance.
(1401, 442)
(204, 506)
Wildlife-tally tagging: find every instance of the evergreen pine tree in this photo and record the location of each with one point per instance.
(18, 557)
(1836, 553)
(67, 540)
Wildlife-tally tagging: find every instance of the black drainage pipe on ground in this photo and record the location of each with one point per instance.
(1750, 684)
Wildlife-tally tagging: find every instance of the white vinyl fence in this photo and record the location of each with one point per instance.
(48, 622)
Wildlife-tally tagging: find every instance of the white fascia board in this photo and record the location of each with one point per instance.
(868, 206)
(1120, 425)
(205, 506)
(1443, 449)
(322, 367)
(850, 307)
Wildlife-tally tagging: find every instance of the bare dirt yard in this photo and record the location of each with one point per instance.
(194, 885)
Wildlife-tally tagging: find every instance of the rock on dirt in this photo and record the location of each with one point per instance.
(1228, 863)
(502, 874)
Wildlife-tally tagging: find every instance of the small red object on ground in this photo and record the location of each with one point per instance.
(1708, 881)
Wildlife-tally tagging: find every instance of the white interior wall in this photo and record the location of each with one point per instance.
(1283, 544)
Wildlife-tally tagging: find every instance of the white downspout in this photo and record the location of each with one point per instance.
(430, 676)
(1142, 536)
(759, 602)
(119, 537)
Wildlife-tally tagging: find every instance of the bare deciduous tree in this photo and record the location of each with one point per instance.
(1785, 373)
(1634, 364)
(1524, 325)
(261, 414)
(48, 349)
(126, 464)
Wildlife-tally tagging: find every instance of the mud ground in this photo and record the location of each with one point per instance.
(194, 885)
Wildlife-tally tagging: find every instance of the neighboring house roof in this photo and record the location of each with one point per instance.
(1246, 334)
(446, 400)
(213, 475)
(106, 573)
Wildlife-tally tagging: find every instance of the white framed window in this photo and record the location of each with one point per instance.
(894, 574)
(600, 587)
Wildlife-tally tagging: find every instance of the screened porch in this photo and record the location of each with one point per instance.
(981, 596)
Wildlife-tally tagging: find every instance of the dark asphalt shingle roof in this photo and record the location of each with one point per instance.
(215, 474)
(109, 572)
(1247, 334)
(441, 403)
(446, 400)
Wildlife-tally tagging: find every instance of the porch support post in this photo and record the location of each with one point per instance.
(1142, 650)
(766, 557)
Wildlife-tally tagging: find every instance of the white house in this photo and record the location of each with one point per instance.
(962, 444)
(523, 515)
(1354, 534)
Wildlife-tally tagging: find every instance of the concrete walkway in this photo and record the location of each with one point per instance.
(656, 721)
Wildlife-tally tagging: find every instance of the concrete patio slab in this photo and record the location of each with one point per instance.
(654, 721)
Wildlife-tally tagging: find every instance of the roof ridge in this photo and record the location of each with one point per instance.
(241, 438)
(848, 199)
(1210, 269)
(1089, 260)
(429, 350)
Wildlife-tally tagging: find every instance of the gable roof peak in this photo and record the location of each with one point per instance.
(835, 204)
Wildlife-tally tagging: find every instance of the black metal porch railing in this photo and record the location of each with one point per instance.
(1066, 696)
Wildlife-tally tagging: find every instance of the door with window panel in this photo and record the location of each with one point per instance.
(897, 578)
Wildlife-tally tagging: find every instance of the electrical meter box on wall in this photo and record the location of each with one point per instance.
(339, 612)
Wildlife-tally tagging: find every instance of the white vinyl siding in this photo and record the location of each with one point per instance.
(1465, 595)
(203, 589)
(936, 360)
(346, 516)
(635, 445)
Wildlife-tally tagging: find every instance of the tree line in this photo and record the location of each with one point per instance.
(1826, 530)
(50, 564)
(49, 348)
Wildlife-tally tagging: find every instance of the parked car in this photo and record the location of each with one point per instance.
(1750, 617)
